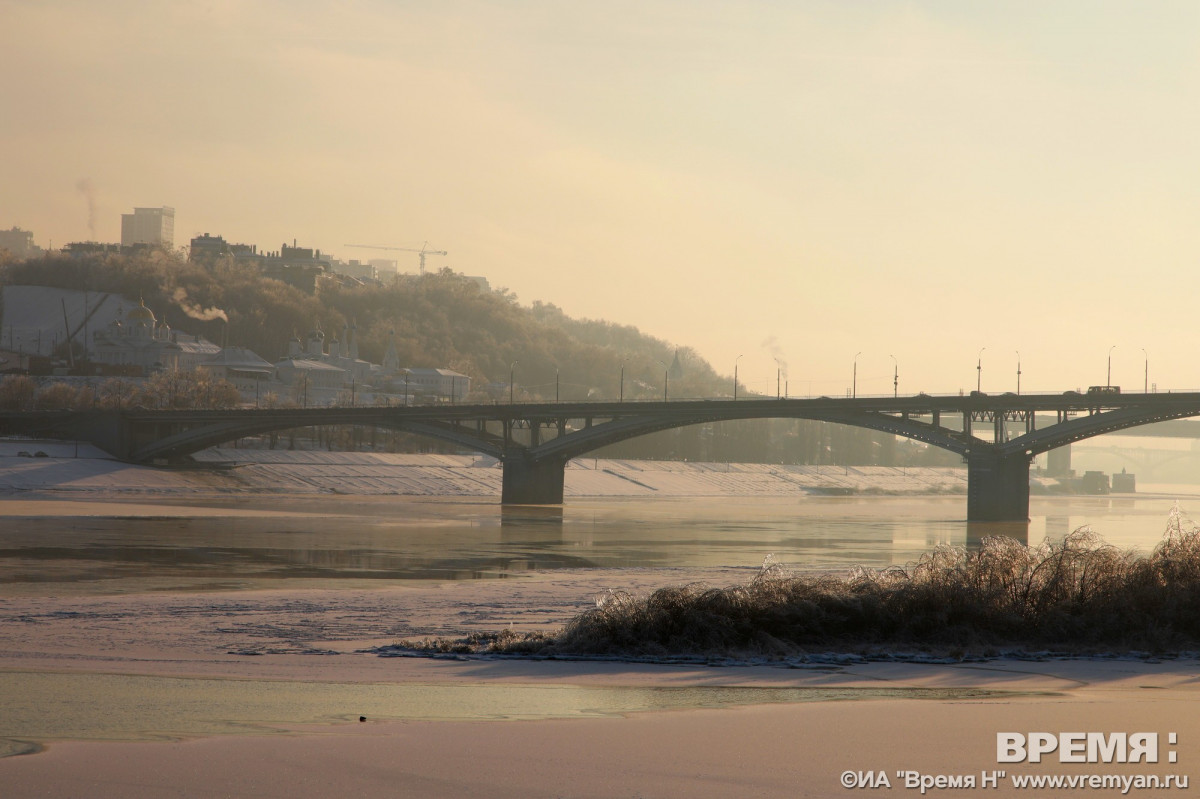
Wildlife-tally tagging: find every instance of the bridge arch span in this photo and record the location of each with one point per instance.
(200, 430)
(192, 440)
(581, 442)
(1092, 425)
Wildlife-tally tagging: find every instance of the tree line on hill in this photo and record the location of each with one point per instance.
(193, 390)
(438, 319)
(444, 319)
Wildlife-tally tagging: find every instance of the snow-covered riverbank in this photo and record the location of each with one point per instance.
(68, 467)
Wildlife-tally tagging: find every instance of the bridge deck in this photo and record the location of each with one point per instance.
(996, 434)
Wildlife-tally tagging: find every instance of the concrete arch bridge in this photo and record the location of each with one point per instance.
(997, 435)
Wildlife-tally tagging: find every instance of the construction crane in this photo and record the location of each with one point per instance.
(423, 251)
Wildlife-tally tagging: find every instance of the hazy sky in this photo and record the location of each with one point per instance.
(803, 180)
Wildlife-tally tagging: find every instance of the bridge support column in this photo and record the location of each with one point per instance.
(110, 432)
(997, 487)
(532, 482)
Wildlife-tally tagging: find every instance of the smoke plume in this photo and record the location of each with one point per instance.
(195, 311)
(89, 193)
(771, 345)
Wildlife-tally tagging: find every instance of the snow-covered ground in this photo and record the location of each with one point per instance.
(67, 466)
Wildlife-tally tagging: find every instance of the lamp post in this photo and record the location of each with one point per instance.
(735, 368)
(666, 371)
(778, 376)
(1146, 385)
(1018, 372)
(1108, 378)
(511, 368)
(407, 396)
(979, 370)
(621, 393)
(854, 377)
(895, 377)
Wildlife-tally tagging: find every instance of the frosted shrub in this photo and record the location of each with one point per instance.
(1078, 596)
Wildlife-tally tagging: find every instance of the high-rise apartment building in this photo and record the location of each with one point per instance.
(154, 226)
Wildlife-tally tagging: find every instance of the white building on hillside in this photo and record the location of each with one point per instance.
(310, 382)
(139, 340)
(421, 382)
(338, 355)
(427, 383)
(242, 367)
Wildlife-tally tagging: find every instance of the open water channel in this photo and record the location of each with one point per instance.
(238, 543)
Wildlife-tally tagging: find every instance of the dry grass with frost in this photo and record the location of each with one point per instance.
(1077, 596)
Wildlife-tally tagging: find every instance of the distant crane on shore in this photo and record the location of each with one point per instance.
(424, 250)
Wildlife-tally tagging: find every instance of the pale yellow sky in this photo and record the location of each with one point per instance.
(805, 180)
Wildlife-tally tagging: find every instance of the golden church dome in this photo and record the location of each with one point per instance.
(142, 314)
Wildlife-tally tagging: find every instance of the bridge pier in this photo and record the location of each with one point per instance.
(530, 481)
(997, 487)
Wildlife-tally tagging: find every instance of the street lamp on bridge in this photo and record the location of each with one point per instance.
(735, 367)
(1018, 372)
(778, 376)
(854, 377)
(1108, 379)
(1146, 385)
(979, 370)
(666, 375)
(621, 390)
(895, 376)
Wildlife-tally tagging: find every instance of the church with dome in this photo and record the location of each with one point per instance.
(139, 341)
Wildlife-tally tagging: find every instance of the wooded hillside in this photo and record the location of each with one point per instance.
(439, 320)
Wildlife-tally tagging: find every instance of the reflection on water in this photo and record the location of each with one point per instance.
(373, 539)
(531, 524)
(977, 531)
(1057, 527)
(138, 708)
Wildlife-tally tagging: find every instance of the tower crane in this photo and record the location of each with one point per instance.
(424, 250)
